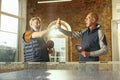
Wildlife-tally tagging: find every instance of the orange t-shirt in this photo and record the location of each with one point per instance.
(27, 36)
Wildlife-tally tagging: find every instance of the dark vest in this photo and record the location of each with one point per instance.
(36, 51)
(90, 42)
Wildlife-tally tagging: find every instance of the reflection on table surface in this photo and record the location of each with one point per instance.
(60, 71)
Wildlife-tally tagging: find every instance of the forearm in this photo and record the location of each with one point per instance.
(39, 34)
(100, 52)
(70, 34)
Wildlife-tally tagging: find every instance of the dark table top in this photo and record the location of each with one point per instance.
(36, 74)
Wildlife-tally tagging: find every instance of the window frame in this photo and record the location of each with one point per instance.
(21, 26)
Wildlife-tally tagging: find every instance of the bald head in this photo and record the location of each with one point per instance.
(93, 15)
(91, 20)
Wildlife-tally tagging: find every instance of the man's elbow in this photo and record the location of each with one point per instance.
(105, 50)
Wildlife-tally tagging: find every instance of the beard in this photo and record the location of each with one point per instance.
(36, 28)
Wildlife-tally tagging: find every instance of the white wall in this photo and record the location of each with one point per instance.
(114, 29)
(115, 9)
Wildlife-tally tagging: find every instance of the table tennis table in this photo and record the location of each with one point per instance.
(59, 71)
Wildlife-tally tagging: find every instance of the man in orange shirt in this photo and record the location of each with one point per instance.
(35, 47)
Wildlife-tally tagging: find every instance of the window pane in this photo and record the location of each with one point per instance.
(60, 50)
(8, 39)
(9, 24)
(10, 6)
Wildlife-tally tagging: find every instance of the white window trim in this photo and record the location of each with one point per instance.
(22, 28)
(115, 42)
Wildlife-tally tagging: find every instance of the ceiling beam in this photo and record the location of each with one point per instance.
(52, 1)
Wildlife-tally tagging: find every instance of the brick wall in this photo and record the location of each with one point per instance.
(74, 13)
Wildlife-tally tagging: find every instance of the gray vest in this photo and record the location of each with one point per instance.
(36, 50)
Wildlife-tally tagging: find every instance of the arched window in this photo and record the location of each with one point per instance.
(61, 42)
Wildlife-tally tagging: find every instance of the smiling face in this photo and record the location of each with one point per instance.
(35, 23)
(88, 20)
(91, 20)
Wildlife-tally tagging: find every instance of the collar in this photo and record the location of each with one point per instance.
(97, 27)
